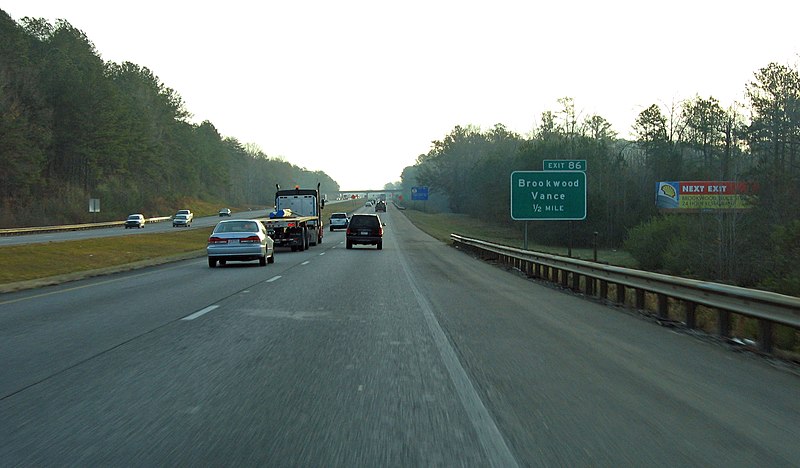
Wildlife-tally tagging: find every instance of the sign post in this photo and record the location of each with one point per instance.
(94, 207)
(419, 193)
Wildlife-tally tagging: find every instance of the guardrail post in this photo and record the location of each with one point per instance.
(589, 285)
(564, 277)
(663, 306)
(576, 282)
(640, 299)
(620, 294)
(765, 336)
(724, 324)
(691, 309)
(603, 289)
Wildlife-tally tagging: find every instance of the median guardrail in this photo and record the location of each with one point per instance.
(593, 279)
(72, 227)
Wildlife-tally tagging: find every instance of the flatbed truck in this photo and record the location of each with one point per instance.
(296, 221)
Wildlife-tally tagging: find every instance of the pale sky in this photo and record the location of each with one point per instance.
(359, 89)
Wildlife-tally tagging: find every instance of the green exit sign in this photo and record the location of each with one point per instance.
(548, 195)
(564, 164)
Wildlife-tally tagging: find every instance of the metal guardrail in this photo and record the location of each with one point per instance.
(72, 227)
(593, 279)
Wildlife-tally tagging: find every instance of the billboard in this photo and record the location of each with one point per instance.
(704, 195)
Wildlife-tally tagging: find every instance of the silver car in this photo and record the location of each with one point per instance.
(240, 240)
(339, 221)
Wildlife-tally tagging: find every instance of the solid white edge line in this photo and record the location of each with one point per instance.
(489, 435)
(200, 312)
(274, 278)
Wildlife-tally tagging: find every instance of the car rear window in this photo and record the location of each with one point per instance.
(364, 221)
(239, 226)
(338, 215)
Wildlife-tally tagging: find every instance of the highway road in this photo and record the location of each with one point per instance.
(164, 226)
(416, 355)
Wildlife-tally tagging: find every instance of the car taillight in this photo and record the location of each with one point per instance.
(380, 232)
(217, 240)
(250, 240)
(347, 231)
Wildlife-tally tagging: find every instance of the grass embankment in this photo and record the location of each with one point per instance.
(441, 225)
(36, 261)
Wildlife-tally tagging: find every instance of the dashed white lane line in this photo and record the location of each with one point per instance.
(323, 253)
(200, 312)
(305, 263)
(274, 278)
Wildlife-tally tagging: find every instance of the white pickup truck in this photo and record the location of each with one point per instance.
(183, 218)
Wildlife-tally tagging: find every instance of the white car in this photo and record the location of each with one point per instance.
(182, 220)
(338, 221)
(135, 221)
(240, 240)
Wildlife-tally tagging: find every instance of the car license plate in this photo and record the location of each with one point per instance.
(364, 233)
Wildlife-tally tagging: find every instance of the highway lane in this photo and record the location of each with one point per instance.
(416, 355)
(165, 226)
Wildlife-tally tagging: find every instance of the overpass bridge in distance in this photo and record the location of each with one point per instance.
(389, 192)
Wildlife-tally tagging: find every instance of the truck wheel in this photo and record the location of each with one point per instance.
(211, 262)
(380, 245)
(303, 240)
(262, 261)
(331, 228)
(349, 245)
(271, 258)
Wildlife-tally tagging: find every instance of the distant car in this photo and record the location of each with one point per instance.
(380, 206)
(135, 221)
(240, 240)
(339, 221)
(181, 220)
(224, 212)
(365, 229)
(368, 203)
(188, 213)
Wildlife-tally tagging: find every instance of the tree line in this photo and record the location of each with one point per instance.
(73, 127)
(468, 171)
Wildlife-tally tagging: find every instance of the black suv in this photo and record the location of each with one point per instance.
(380, 206)
(365, 229)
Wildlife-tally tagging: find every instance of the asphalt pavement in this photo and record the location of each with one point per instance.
(415, 355)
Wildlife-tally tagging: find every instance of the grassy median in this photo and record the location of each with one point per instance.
(35, 261)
